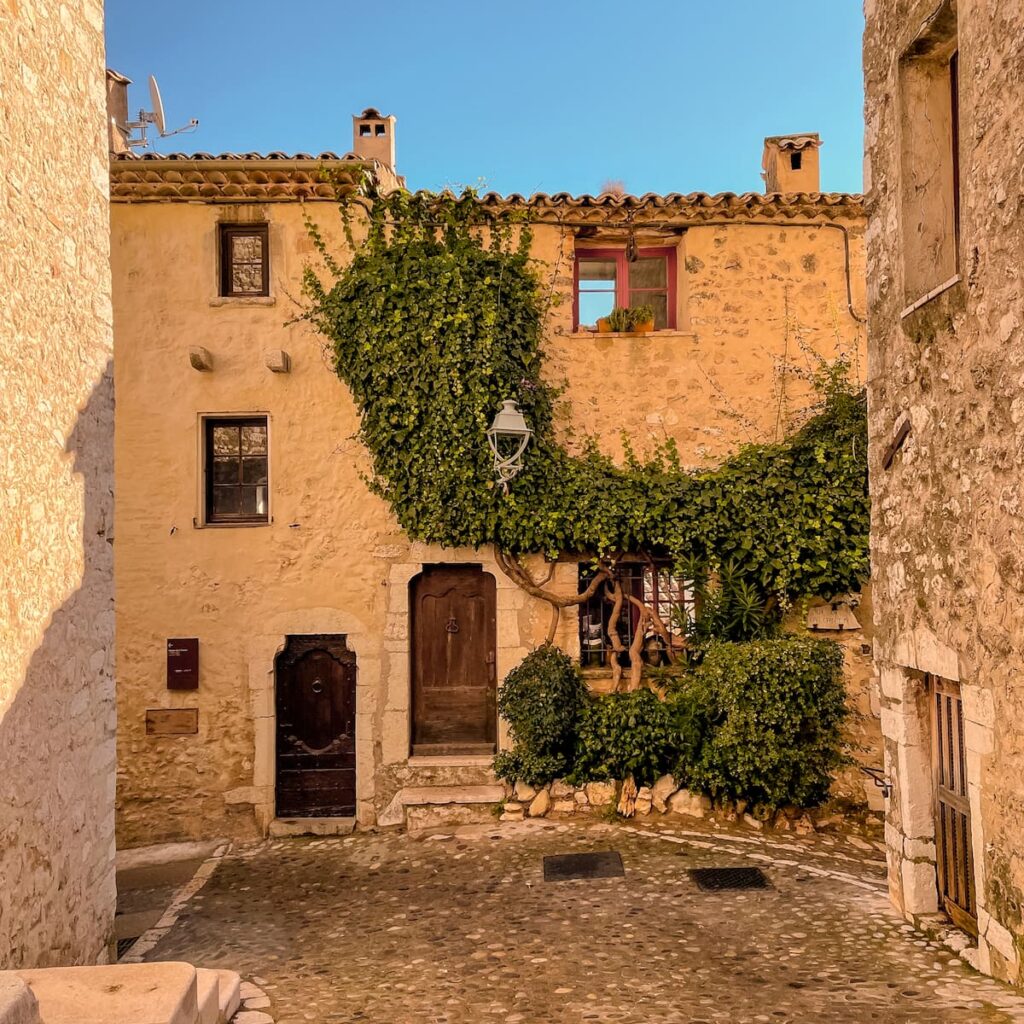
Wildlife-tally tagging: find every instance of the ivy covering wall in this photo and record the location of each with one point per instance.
(439, 316)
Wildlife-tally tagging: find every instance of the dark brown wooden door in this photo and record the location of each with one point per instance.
(952, 805)
(453, 646)
(316, 728)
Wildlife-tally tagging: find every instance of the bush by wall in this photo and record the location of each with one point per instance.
(634, 734)
(772, 713)
(541, 699)
(759, 720)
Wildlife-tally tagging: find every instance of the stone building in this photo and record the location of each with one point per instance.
(57, 709)
(239, 609)
(945, 241)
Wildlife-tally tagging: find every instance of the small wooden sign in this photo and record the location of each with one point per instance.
(183, 664)
(172, 721)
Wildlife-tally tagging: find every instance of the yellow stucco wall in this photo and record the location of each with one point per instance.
(332, 560)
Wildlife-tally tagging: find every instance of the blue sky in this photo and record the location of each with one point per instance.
(563, 95)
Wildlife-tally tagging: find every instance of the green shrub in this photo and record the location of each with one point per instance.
(772, 713)
(541, 700)
(633, 734)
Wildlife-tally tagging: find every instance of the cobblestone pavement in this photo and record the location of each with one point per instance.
(460, 928)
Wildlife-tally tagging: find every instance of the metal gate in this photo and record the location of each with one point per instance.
(952, 806)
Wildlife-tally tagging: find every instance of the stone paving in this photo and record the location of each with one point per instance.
(459, 927)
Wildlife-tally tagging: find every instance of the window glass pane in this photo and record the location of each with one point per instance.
(246, 248)
(247, 500)
(225, 502)
(658, 301)
(225, 471)
(594, 305)
(597, 274)
(254, 470)
(246, 277)
(648, 272)
(254, 440)
(225, 440)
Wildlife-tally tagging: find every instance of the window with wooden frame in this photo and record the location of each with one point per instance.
(929, 113)
(606, 278)
(237, 470)
(656, 586)
(244, 260)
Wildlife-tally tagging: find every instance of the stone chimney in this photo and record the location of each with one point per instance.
(373, 136)
(790, 163)
(117, 111)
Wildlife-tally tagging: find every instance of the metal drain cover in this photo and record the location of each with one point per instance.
(716, 879)
(564, 866)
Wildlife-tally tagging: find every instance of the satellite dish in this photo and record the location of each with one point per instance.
(158, 105)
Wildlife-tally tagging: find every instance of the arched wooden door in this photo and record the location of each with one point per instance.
(316, 728)
(453, 671)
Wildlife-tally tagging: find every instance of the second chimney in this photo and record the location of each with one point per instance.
(373, 136)
(790, 163)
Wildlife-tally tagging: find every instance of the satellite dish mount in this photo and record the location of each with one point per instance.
(153, 117)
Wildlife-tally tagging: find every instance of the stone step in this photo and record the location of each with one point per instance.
(284, 828)
(438, 796)
(157, 993)
(229, 986)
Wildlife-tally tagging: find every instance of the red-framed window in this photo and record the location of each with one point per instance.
(605, 278)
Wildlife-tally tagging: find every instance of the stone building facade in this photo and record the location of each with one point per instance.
(57, 708)
(747, 283)
(945, 241)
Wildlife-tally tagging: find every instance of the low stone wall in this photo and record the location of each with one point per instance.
(559, 798)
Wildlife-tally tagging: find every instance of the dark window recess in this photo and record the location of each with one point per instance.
(364, 129)
(796, 160)
(244, 260)
(236, 470)
(654, 585)
(954, 125)
(379, 129)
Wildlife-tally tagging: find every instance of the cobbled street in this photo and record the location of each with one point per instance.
(459, 927)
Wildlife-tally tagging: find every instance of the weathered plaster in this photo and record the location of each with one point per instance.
(947, 515)
(56, 473)
(333, 560)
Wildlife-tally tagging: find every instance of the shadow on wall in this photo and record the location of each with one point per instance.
(57, 757)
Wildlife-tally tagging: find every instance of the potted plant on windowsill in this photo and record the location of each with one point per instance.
(634, 320)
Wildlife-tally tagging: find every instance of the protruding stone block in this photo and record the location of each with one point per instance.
(17, 1004)
(200, 358)
(278, 361)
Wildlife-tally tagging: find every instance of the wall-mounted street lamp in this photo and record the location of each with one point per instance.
(508, 437)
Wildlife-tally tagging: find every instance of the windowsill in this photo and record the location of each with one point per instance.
(670, 332)
(244, 300)
(450, 760)
(231, 526)
(928, 296)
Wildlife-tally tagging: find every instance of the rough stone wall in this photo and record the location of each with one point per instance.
(333, 560)
(947, 514)
(56, 474)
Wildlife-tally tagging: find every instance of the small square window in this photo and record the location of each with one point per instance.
(237, 468)
(379, 130)
(796, 160)
(605, 278)
(364, 129)
(244, 260)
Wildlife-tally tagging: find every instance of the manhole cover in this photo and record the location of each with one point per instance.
(714, 879)
(605, 864)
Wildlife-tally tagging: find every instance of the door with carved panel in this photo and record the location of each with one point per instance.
(954, 852)
(453, 661)
(316, 728)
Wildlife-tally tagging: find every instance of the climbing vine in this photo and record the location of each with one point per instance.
(439, 316)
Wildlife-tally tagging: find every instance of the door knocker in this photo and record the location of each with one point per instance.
(453, 626)
(318, 687)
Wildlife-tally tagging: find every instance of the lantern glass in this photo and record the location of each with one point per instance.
(508, 437)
